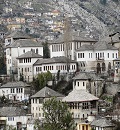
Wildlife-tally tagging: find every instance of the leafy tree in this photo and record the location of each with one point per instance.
(37, 125)
(46, 51)
(57, 115)
(42, 80)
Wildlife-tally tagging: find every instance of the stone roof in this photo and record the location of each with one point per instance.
(85, 48)
(30, 54)
(19, 35)
(24, 43)
(60, 59)
(12, 111)
(101, 45)
(47, 93)
(79, 96)
(15, 84)
(87, 76)
(74, 37)
(103, 122)
(115, 39)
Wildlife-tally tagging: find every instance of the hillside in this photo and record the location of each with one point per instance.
(97, 17)
(93, 15)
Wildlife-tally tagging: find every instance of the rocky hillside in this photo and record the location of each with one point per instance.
(100, 17)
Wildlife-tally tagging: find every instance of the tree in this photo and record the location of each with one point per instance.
(57, 115)
(41, 80)
(46, 51)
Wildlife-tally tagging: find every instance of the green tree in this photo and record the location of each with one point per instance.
(46, 51)
(41, 80)
(37, 125)
(57, 115)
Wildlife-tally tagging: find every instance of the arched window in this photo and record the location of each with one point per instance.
(103, 66)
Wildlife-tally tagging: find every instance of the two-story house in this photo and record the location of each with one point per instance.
(58, 46)
(25, 65)
(15, 90)
(54, 65)
(98, 57)
(39, 98)
(18, 48)
(82, 104)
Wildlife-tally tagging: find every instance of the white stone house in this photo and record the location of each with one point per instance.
(25, 65)
(39, 98)
(57, 46)
(82, 104)
(89, 82)
(18, 48)
(98, 57)
(13, 117)
(54, 64)
(15, 90)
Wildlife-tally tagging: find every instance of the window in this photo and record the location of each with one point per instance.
(96, 55)
(78, 83)
(112, 55)
(21, 90)
(39, 114)
(23, 50)
(83, 83)
(108, 55)
(37, 50)
(20, 60)
(40, 100)
(33, 100)
(89, 55)
(116, 55)
(81, 55)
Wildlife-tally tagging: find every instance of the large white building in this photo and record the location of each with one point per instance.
(15, 90)
(54, 65)
(82, 104)
(18, 48)
(98, 57)
(31, 64)
(57, 46)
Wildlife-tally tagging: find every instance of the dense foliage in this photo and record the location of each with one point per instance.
(57, 115)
